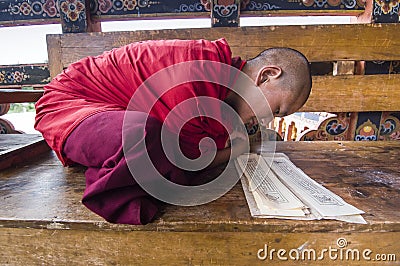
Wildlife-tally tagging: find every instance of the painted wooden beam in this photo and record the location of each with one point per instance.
(225, 13)
(24, 75)
(27, 12)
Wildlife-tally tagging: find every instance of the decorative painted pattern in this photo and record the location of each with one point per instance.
(225, 13)
(40, 11)
(19, 10)
(108, 7)
(334, 128)
(366, 131)
(73, 9)
(386, 11)
(10, 77)
(390, 126)
(24, 75)
(73, 16)
(364, 126)
(143, 7)
(386, 7)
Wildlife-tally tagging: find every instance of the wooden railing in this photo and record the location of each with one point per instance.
(15, 77)
(79, 16)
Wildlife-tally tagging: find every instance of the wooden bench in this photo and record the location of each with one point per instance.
(43, 221)
(344, 91)
(332, 43)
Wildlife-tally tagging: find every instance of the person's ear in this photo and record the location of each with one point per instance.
(267, 73)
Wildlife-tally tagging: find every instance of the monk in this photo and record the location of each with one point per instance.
(82, 114)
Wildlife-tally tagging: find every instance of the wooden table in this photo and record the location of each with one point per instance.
(43, 221)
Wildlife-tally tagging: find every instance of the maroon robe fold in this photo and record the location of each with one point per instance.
(81, 116)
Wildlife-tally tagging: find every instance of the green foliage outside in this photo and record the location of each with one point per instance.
(21, 107)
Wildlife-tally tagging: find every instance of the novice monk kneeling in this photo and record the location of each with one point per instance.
(82, 114)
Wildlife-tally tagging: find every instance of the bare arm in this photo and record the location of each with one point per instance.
(238, 146)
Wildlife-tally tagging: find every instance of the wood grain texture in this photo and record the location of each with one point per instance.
(318, 43)
(54, 54)
(19, 96)
(354, 93)
(329, 42)
(349, 93)
(86, 247)
(17, 149)
(364, 174)
(43, 221)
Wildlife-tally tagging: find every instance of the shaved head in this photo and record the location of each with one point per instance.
(296, 74)
(283, 76)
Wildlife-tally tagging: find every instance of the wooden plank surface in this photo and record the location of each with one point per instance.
(42, 220)
(317, 42)
(364, 174)
(329, 93)
(110, 247)
(54, 54)
(16, 149)
(350, 93)
(19, 96)
(354, 93)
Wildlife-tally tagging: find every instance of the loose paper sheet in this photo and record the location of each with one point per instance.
(275, 188)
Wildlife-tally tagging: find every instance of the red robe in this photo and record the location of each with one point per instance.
(108, 81)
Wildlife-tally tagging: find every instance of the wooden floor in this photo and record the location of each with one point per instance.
(43, 221)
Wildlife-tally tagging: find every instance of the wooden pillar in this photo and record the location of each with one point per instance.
(75, 16)
(225, 13)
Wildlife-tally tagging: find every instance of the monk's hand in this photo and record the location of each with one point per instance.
(239, 143)
(236, 145)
